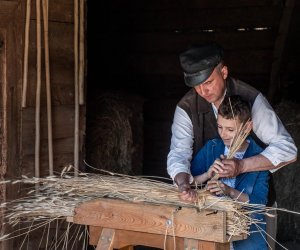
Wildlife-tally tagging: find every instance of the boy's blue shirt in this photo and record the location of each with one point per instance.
(255, 184)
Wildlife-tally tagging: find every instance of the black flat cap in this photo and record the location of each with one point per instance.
(199, 61)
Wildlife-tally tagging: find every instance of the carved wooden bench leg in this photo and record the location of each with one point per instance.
(106, 239)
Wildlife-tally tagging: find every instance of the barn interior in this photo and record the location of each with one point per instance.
(133, 81)
(133, 55)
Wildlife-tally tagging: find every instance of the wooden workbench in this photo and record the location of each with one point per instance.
(117, 224)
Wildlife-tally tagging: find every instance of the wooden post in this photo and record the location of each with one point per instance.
(81, 53)
(38, 89)
(45, 4)
(25, 62)
(76, 94)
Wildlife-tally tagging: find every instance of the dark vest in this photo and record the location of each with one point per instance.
(202, 115)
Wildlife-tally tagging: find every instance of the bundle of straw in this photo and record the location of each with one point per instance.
(58, 196)
(243, 132)
(240, 137)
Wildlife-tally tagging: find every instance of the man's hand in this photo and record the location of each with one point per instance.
(231, 167)
(183, 182)
(190, 195)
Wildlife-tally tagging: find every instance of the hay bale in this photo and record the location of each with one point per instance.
(112, 128)
(286, 181)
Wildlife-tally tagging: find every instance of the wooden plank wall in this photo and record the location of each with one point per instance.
(139, 43)
(61, 45)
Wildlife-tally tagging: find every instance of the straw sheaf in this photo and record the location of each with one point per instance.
(57, 197)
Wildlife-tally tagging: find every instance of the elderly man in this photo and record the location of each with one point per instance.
(195, 120)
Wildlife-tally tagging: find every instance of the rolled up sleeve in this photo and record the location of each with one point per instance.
(181, 148)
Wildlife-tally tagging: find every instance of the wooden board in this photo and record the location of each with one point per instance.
(155, 219)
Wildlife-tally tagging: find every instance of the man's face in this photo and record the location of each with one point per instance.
(227, 129)
(213, 89)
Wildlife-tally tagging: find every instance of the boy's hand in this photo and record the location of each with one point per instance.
(215, 168)
(217, 187)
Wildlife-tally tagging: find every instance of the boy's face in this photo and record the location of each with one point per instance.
(227, 129)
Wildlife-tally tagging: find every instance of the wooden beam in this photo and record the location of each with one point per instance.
(279, 48)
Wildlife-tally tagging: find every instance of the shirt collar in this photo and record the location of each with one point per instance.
(214, 106)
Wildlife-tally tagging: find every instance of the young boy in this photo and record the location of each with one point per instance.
(249, 187)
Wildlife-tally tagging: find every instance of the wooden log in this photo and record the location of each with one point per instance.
(25, 62)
